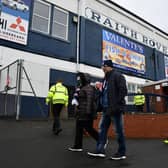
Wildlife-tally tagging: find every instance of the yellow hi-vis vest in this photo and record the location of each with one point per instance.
(139, 100)
(58, 94)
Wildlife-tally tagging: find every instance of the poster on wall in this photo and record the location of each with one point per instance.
(124, 53)
(14, 20)
(166, 66)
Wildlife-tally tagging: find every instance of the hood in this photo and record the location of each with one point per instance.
(83, 79)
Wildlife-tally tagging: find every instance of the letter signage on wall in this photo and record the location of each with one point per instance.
(125, 30)
(14, 20)
(124, 53)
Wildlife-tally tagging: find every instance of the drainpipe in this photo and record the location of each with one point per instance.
(78, 40)
(18, 89)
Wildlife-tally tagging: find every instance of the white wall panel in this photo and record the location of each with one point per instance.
(1, 56)
(37, 67)
(70, 5)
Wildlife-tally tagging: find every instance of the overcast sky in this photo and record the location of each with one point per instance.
(153, 11)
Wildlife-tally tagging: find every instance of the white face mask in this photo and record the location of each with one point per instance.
(78, 78)
(79, 81)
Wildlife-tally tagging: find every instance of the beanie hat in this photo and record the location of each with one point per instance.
(108, 63)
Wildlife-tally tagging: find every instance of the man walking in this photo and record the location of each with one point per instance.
(58, 97)
(113, 103)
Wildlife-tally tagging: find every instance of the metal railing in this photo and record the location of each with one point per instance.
(154, 103)
(10, 89)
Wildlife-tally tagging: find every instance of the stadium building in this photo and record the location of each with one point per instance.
(42, 41)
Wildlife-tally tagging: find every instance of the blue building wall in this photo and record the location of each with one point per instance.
(90, 54)
(46, 45)
(90, 48)
(91, 51)
(32, 107)
(69, 78)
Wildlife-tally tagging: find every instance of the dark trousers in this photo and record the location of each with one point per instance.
(56, 114)
(139, 108)
(80, 126)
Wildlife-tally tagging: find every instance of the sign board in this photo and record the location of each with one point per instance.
(121, 28)
(14, 20)
(124, 53)
(166, 66)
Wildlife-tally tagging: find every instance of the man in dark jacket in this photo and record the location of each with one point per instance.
(113, 103)
(85, 111)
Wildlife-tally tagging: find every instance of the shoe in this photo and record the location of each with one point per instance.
(57, 131)
(73, 149)
(118, 156)
(105, 145)
(165, 141)
(97, 154)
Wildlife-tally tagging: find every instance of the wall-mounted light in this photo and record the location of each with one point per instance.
(75, 19)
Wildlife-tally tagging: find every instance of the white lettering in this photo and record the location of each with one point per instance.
(133, 34)
(116, 26)
(107, 22)
(95, 16)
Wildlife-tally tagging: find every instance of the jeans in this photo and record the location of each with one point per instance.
(118, 126)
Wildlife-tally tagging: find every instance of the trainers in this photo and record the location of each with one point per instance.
(105, 145)
(56, 132)
(118, 156)
(97, 154)
(73, 149)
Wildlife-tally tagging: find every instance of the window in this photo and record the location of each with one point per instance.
(132, 88)
(60, 23)
(41, 21)
(41, 16)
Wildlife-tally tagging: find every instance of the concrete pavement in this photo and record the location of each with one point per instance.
(30, 144)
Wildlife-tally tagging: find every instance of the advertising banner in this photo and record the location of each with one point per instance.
(14, 20)
(124, 53)
(166, 66)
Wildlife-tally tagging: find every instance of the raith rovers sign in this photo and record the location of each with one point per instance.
(119, 27)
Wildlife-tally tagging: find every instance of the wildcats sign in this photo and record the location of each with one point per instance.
(14, 20)
(119, 27)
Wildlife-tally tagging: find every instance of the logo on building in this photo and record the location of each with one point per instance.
(18, 24)
(3, 23)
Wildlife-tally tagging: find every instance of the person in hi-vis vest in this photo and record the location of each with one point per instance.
(58, 97)
(139, 101)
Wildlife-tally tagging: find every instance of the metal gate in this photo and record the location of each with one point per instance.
(10, 89)
(10, 78)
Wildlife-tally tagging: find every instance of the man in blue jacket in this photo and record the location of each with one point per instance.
(113, 104)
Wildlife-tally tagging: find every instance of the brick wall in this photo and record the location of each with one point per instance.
(142, 125)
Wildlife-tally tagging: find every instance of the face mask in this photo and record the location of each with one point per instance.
(79, 83)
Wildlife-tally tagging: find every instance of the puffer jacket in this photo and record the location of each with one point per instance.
(86, 108)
